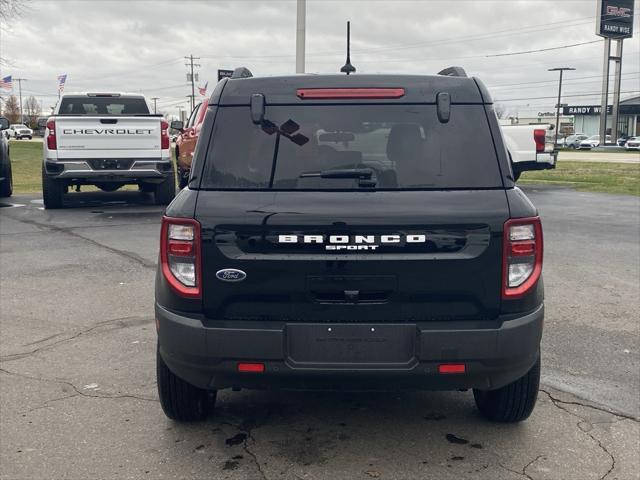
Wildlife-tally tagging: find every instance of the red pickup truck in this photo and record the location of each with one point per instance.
(186, 142)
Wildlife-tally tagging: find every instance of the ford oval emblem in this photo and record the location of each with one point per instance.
(231, 275)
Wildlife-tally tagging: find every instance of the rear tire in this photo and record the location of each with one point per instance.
(52, 191)
(511, 403)
(166, 190)
(180, 400)
(6, 186)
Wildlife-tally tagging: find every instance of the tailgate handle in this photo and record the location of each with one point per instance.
(352, 297)
(109, 121)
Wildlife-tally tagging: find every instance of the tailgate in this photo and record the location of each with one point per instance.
(353, 257)
(108, 137)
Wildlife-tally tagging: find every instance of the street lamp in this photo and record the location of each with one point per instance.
(561, 70)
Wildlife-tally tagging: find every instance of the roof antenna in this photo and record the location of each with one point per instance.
(347, 67)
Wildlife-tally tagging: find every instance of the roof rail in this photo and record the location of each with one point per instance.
(453, 72)
(241, 72)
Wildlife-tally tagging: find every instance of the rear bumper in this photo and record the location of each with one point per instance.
(207, 356)
(136, 169)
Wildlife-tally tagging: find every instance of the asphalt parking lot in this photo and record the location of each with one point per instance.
(77, 367)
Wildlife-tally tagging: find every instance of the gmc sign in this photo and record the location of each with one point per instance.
(614, 18)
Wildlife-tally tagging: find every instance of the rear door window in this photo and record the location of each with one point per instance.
(302, 147)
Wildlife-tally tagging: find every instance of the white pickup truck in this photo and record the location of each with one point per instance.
(107, 140)
(530, 147)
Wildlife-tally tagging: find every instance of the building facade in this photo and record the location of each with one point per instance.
(587, 117)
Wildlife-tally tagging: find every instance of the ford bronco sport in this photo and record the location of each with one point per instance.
(335, 233)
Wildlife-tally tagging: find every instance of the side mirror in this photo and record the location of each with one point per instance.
(257, 108)
(42, 122)
(177, 125)
(4, 123)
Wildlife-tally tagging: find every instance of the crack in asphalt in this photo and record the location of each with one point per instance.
(245, 447)
(558, 404)
(522, 472)
(249, 436)
(69, 231)
(46, 404)
(524, 469)
(124, 320)
(71, 228)
(76, 389)
(588, 405)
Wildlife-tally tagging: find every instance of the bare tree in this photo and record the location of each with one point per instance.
(12, 109)
(499, 109)
(32, 110)
(9, 10)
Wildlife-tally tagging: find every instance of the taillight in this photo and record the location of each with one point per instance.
(522, 256)
(52, 142)
(164, 135)
(336, 93)
(539, 135)
(180, 255)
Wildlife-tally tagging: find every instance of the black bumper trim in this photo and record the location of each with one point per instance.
(207, 356)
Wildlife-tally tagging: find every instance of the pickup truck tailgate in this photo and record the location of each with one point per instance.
(84, 136)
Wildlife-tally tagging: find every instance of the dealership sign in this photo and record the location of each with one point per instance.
(584, 110)
(224, 74)
(614, 18)
(625, 109)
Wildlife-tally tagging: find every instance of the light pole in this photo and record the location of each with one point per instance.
(561, 70)
(301, 20)
(155, 99)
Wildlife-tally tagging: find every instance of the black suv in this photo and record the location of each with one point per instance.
(357, 232)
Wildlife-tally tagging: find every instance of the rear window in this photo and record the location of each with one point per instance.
(103, 106)
(394, 146)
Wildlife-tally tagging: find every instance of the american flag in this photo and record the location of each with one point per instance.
(203, 90)
(6, 83)
(61, 80)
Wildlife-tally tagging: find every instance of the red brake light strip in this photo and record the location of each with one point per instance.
(347, 93)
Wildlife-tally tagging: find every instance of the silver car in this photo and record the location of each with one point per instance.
(633, 143)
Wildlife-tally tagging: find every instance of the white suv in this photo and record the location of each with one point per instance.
(19, 131)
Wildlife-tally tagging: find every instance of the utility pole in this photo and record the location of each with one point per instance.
(191, 76)
(561, 70)
(300, 35)
(155, 99)
(181, 112)
(20, 80)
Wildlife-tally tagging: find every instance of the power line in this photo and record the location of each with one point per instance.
(552, 81)
(565, 82)
(543, 49)
(140, 68)
(499, 33)
(586, 94)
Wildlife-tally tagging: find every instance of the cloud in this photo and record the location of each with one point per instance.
(140, 45)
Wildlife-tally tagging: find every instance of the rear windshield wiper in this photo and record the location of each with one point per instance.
(359, 173)
(363, 175)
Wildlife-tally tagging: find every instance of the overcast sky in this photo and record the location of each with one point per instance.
(139, 45)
